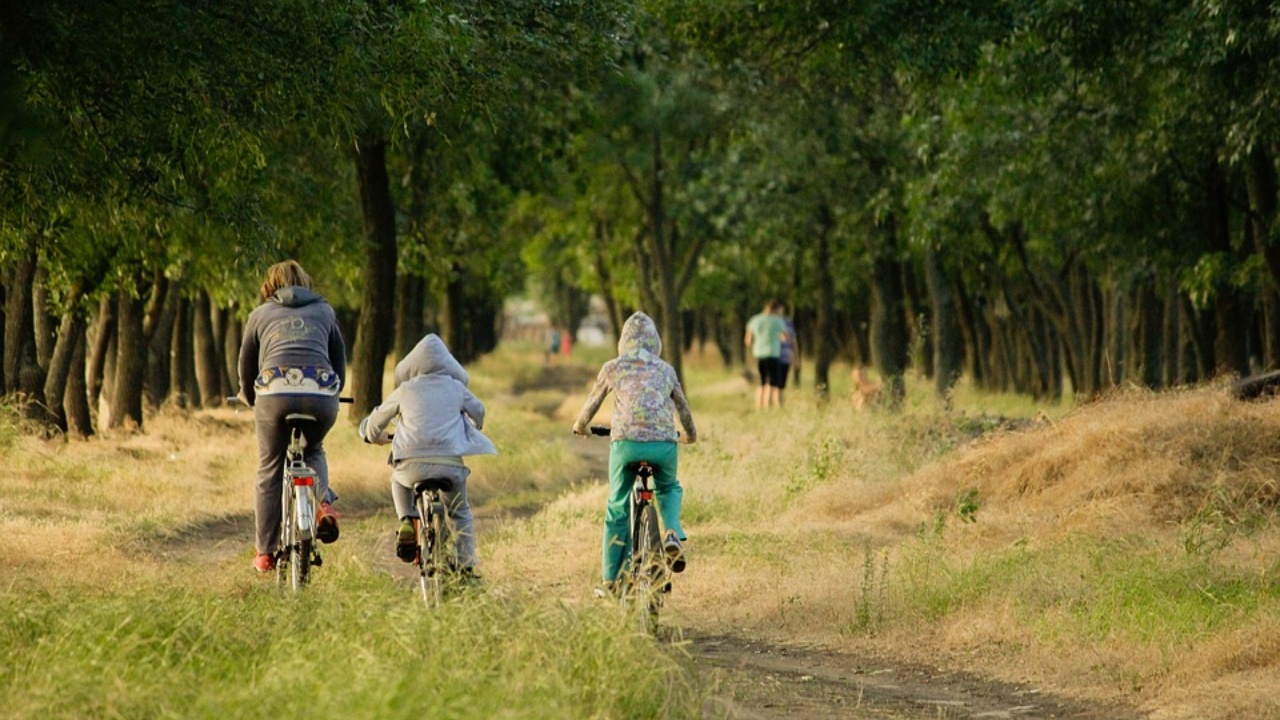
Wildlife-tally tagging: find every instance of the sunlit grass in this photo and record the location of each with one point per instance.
(363, 648)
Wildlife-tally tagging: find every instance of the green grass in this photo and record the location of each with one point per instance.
(359, 646)
(1084, 588)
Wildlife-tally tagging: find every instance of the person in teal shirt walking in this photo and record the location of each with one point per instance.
(765, 332)
(647, 397)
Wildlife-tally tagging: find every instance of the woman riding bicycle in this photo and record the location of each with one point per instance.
(292, 360)
(647, 396)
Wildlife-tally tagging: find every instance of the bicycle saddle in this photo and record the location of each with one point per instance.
(299, 417)
(433, 484)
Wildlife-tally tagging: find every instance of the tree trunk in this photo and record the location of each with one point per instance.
(160, 340)
(131, 363)
(824, 350)
(70, 333)
(1117, 337)
(208, 359)
(890, 346)
(378, 275)
(1150, 332)
(1230, 351)
(104, 334)
(19, 332)
(604, 277)
(948, 346)
(410, 327)
(1262, 187)
(45, 326)
(228, 366)
(184, 388)
(232, 336)
(75, 397)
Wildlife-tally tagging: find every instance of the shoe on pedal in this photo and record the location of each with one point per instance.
(407, 541)
(264, 563)
(675, 552)
(326, 523)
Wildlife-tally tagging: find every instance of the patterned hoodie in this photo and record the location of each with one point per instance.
(647, 392)
(431, 406)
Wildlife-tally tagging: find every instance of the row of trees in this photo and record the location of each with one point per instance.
(1047, 196)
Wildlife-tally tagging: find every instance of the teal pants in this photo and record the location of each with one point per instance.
(617, 534)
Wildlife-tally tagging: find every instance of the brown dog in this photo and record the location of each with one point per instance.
(864, 391)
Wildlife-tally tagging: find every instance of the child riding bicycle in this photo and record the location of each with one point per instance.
(438, 422)
(647, 396)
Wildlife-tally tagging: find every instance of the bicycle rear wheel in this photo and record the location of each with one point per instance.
(648, 565)
(300, 554)
(301, 548)
(430, 551)
(284, 558)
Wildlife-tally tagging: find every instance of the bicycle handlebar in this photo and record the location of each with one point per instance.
(606, 431)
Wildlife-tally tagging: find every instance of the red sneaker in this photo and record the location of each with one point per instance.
(264, 563)
(326, 523)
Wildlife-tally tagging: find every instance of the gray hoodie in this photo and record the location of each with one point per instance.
(294, 328)
(431, 406)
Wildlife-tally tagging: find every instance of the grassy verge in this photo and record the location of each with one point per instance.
(359, 647)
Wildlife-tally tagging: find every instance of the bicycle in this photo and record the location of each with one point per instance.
(298, 551)
(646, 578)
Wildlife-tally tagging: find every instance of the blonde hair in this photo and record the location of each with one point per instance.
(284, 274)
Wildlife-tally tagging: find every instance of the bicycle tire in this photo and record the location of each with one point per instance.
(300, 563)
(428, 550)
(283, 558)
(648, 563)
(302, 545)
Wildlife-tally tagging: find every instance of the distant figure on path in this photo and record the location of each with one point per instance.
(553, 345)
(765, 332)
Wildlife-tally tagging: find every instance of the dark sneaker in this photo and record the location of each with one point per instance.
(675, 552)
(326, 524)
(469, 577)
(264, 563)
(407, 541)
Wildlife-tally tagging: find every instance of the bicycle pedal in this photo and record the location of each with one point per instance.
(666, 588)
(317, 561)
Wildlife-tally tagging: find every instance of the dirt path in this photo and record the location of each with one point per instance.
(759, 681)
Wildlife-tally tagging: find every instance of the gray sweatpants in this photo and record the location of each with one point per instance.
(403, 477)
(269, 412)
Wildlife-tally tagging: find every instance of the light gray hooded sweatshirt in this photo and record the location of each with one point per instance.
(431, 406)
